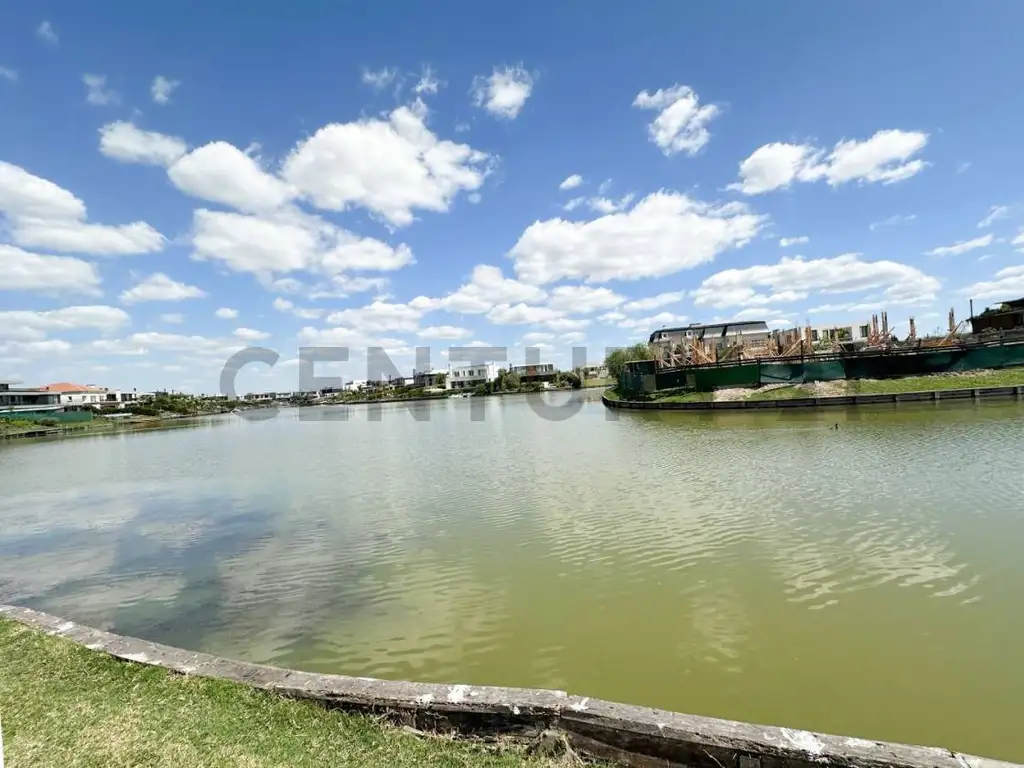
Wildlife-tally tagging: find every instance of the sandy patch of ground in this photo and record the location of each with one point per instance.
(741, 393)
(825, 388)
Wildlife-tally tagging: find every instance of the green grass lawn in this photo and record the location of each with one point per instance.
(682, 396)
(1009, 377)
(64, 705)
(590, 383)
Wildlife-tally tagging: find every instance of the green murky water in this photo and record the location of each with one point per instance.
(866, 580)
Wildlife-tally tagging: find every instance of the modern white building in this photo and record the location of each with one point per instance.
(470, 376)
(718, 335)
(78, 395)
(24, 400)
(539, 372)
(259, 397)
(855, 332)
(427, 379)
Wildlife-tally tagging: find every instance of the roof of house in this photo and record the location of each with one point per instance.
(64, 386)
(716, 329)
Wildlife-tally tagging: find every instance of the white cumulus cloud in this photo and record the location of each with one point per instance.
(571, 182)
(487, 288)
(682, 122)
(378, 317)
(785, 242)
(42, 214)
(445, 332)
(25, 271)
(286, 242)
(663, 233)
(794, 279)
(125, 142)
(391, 167)
(162, 88)
(160, 287)
(1006, 285)
(251, 334)
(226, 313)
(222, 173)
(582, 299)
(25, 325)
(96, 91)
(884, 157)
(504, 92)
(653, 302)
(522, 314)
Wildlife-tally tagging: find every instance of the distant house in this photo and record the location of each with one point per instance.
(427, 379)
(856, 333)
(594, 372)
(376, 385)
(470, 376)
(116, 399)
(78, 395)
(540, 372)
(18, 400)
(259, 397)
(714, 335)
(1003, 317)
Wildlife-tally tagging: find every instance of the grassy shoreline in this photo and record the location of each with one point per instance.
(65, 705)
(1009, 377)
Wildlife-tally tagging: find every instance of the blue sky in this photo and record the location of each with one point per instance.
(177, 183)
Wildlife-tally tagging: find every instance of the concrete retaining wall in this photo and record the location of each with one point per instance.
(636, 736)
(819, 402)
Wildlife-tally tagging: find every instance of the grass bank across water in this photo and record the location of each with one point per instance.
(64, 705)
(1009, 377)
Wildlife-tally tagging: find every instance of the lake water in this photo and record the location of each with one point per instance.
(766, 567)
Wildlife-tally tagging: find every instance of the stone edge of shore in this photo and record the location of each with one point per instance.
(935, 395)
(633, 735)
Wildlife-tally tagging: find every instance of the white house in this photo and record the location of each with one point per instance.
(850, 333)
(15, 399)
(78, 395)
(539, 372)
(426, 379)
(470, 376)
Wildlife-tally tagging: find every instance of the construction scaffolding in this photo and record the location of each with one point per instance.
(674, 353)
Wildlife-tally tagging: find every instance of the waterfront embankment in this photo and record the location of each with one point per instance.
(68, 699)
(937, 387)
(64, 704)
(11, 429)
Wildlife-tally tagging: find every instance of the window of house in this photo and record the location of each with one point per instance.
(814, 335)
(864, 330)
